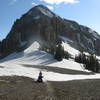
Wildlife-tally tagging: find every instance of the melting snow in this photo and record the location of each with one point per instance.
(67, 47)
(65, 39)
(13, 65)
(70, 49)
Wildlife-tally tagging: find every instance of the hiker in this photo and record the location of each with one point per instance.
(40, 77)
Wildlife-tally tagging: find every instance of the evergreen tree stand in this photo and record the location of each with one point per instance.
(40, 78)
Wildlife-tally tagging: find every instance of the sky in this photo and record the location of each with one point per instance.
(85, 12)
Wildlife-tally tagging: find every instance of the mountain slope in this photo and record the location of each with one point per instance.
(42, 25)
(32, 60)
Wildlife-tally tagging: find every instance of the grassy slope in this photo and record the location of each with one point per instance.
(22, 88)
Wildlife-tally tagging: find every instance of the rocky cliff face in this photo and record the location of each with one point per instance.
(40, 24)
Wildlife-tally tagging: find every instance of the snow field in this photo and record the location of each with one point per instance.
(13, 65)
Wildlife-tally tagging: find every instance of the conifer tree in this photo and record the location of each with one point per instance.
(66, 55)
(59, 54)
(90, 62)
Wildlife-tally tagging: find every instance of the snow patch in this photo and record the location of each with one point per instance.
(37, 17)
(45, 12)
(65, 39)
(13, 65)
(69, 64)
(67, 46)
(70, 49)
(34, 46)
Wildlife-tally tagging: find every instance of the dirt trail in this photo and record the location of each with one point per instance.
(50, 90)
(24, 88)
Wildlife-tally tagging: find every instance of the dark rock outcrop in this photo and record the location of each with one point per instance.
(40, 24)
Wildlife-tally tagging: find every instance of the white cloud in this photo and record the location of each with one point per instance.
(60, 1)
(33, 3)
(50, 7)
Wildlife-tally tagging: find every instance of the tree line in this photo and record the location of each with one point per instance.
(89, 62)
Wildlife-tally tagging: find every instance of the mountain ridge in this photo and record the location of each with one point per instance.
(41, 24)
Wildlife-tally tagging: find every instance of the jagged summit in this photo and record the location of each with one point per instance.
(42, 25)
(41, 9)
(41, 6)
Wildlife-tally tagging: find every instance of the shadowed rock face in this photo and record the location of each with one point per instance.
(40, 24)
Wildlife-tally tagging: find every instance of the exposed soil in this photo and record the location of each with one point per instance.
(60, 70)
(23, 88)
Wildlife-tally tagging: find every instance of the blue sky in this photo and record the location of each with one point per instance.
(85, 12)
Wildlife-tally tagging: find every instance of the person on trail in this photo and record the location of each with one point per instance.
(40, 77)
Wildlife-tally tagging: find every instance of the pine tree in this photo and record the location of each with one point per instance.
(97, 66)
(59, 54)
(66, 55)
(81, 58)
(92, 63)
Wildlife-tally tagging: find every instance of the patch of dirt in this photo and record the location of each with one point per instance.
(24, 88)
(1, 66)
(60, 70)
